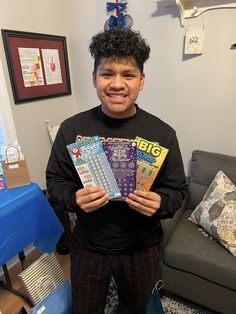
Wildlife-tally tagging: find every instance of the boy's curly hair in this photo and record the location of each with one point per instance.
(119, 42)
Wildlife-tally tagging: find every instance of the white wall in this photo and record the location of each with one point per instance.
(48, 17)
(195, 94)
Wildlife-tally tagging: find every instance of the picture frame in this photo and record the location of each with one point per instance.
(38, 65)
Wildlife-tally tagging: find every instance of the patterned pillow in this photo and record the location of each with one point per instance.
(216, 213)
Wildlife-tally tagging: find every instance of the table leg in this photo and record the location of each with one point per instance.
(7, 286)
(6, 274)
(5, 270)
(21, 256)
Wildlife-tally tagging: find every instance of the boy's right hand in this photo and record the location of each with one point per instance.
(91, 198)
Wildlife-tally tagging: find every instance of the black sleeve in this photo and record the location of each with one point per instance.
(62, 179)
(170, 183)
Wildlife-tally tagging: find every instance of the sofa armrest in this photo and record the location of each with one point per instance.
(168, 225)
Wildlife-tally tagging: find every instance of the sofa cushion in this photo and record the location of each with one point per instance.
(204, 167)
(190, 251)
(216, 213)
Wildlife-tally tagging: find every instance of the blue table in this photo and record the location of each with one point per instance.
(26, 217)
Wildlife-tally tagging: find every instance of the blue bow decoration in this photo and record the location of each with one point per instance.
(116, 21)
(120, 7)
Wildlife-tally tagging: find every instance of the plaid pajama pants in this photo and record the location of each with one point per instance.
(135, 275)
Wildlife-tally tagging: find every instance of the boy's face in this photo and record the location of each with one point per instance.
(118, 82)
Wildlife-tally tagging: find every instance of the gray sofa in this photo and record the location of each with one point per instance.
(194, 266)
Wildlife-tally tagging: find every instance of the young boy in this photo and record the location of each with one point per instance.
(116, 238)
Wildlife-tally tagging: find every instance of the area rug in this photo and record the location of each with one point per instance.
(170, 305)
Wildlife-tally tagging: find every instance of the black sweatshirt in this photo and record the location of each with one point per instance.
(116, 228)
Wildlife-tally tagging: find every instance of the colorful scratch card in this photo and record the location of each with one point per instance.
(92, 165)
(122, 157)
(81, 166)
(150, 157)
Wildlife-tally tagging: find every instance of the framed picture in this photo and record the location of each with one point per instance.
(38, 65)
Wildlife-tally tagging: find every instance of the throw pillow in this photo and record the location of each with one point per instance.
(216, 213)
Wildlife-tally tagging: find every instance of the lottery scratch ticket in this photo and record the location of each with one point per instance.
(122, 157)
(81, 166)
(92, 165)
(150, 157)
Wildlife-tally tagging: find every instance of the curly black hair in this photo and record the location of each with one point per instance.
(119, 42)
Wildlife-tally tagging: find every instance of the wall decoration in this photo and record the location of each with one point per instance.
(38, 65)
(118, 18)
(194, 41)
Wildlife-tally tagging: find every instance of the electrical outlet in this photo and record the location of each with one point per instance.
(194, 41)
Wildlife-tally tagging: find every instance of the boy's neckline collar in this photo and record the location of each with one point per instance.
(108, 118)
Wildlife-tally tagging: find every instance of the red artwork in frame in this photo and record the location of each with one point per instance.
(38, 65)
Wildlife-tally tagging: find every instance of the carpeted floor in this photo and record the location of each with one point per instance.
(171, 305)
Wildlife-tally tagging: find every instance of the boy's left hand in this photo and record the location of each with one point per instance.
(146, 203)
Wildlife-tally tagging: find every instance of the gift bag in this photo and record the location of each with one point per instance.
(15, 172)
(47, 286)
(154, 304)
(59, 301)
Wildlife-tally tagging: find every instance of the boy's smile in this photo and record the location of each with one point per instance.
(118, 82)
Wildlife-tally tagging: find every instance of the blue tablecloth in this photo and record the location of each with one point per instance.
(26, 217)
